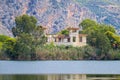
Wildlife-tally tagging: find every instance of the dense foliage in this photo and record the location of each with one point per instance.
(30, 43)
(100, 34)
(28, 37)
(102, 37)
(64, 32)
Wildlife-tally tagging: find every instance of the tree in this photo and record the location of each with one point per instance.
(1, 45)
(3, 38)
(104, 28)
(8, 48)
(24, 48)
(87, 23)
(65, 32)
(29, 37)
(114, 39)
(39, 36)
(102, 42)
(97, 36)
(90, 25)
(94, 29)
(24, 24)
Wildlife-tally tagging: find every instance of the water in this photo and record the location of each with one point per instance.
(43, 70)
(59, 67)
(23, 77)
(45, 77)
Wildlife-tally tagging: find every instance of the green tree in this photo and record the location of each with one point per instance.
(24, 48)
(39, 36)
(104, 28)
(24, 24)
(3, 38)
(92, 28)
(114, 39)
(1, 45)
(97, 36)
(102, 42)
(87, 23)
(29, 37)
(65, 32)
(8, 48)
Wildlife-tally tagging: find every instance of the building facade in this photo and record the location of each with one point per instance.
(67, 77)
(73, 38)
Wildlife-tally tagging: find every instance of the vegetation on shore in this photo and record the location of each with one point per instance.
(29, 43)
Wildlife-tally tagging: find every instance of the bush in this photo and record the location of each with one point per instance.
(1, 45)
(89, 52)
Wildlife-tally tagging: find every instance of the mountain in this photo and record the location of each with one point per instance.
(58, 14)
(5, 31)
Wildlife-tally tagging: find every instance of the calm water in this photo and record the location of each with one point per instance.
(59, 67)
(24, 70)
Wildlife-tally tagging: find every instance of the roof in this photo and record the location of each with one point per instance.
(82, 34)
(62, 36)
(59, 67)
(73, 28)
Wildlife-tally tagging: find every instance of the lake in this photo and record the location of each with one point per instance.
(45, 77)
(59, 70)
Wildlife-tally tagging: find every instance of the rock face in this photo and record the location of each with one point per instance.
(5, 31)
(58, 14)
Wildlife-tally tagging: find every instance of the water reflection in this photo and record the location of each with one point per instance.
(23, 77)
(59, 77)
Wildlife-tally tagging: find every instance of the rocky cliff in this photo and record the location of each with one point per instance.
(58, 14)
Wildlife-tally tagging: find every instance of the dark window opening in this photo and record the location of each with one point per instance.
(80, 39)
(55, 40)
(59, 39)
(68, 40)
(74, 39)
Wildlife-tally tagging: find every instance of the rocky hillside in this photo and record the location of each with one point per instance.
(5, 31)
(57, 14)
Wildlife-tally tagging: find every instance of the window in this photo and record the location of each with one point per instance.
(68, 39)
(59, 39)
(80, 39)
(55, 40)
(74, 39)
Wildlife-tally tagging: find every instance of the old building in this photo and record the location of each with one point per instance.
(73, 38)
